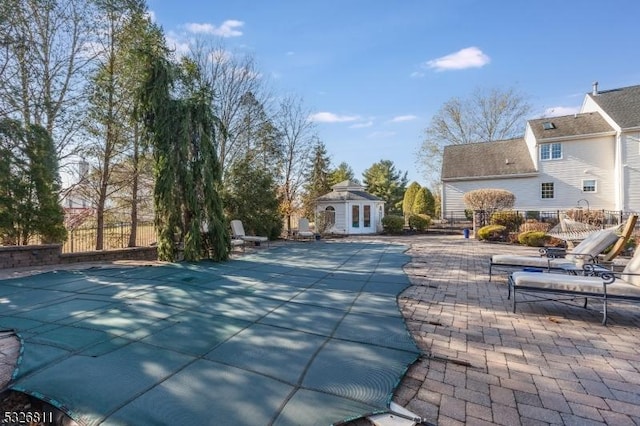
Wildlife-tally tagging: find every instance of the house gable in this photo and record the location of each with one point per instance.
(621, 105)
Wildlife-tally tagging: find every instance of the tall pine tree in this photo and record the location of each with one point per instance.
(317, 179)
(175, 103)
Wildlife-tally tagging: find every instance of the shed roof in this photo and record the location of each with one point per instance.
(484, 159)
(590, 123)
(622, 105)
(348, 191)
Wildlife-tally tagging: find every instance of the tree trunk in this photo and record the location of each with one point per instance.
(134, 189)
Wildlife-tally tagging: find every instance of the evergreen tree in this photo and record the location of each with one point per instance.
(341, 173)
(251, 195)
(317, 179)
(420, 204)
(382, 180)
(29, 185)
(409, 197)
(175, 104)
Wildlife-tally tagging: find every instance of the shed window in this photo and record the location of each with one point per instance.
(551, 151)
(546, 190)
(366, 221)
(330, 215)
(589, 185)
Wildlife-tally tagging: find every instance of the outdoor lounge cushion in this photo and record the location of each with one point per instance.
(238, 233)
(567, 283)
(303, 228)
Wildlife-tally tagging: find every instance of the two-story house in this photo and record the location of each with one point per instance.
(587, 159)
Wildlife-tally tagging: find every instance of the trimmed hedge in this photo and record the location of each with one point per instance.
(493, 233)
(509, 219)
(533, 238)
(393, 224)
(419, 222)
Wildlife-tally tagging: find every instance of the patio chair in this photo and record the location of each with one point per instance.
(593, 284)
(303, 229)
(237, 231)
(586, 252)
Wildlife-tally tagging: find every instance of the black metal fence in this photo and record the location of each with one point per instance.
(597, 218)
(116, 236)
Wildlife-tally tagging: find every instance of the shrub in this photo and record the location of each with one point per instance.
(489, 199)
(419, 222)
(393, 224)
(533, 238)
(493, 233)
(534, 225)
(509, 219)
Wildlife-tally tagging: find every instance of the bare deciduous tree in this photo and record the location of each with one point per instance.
(43, 58)
(487, 115)
(298, 139)
(240, 98)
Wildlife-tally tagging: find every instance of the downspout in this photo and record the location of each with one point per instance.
(620, 174)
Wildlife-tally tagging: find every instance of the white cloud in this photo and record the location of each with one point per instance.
(174, 42)
(151, 15)
(469, 57)
(401, 118)
(290, 53)
(229, 28)
(362, 125)
(416, 74)
(557, 111)
(329, 117)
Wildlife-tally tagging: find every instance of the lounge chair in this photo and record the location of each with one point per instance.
(585, 252)
(237, 231)
(303, 229)
(594, 284)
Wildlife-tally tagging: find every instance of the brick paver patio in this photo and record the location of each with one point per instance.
(549, 363)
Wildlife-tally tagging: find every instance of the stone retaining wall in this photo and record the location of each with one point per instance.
(51, 254)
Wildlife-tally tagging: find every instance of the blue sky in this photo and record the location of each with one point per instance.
(374, 72)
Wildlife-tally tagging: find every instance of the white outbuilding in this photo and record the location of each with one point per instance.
(348, 210)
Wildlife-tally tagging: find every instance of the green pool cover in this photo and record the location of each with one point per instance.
(298, 334)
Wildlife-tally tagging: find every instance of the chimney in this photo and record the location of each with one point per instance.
(595, 89)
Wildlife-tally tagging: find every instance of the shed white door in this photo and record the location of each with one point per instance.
(361, 219)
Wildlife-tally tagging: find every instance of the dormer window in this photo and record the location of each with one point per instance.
(548, 125)
(551, 151)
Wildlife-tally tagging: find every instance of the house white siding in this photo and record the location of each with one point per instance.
(630, 143)
(525, 188)
(582, 160)
(532, 144)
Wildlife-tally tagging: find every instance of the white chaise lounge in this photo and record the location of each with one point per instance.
(585, 252)
(237, 231)
(604, 286)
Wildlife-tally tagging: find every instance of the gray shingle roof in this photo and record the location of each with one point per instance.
(570, 125)
(476, 160)
(622, 105)
(348, 195)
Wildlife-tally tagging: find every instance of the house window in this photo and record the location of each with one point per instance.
(546, 190)
(551, 151)
(589, 185)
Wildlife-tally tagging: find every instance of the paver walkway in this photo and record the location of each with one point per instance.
(549, 363)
